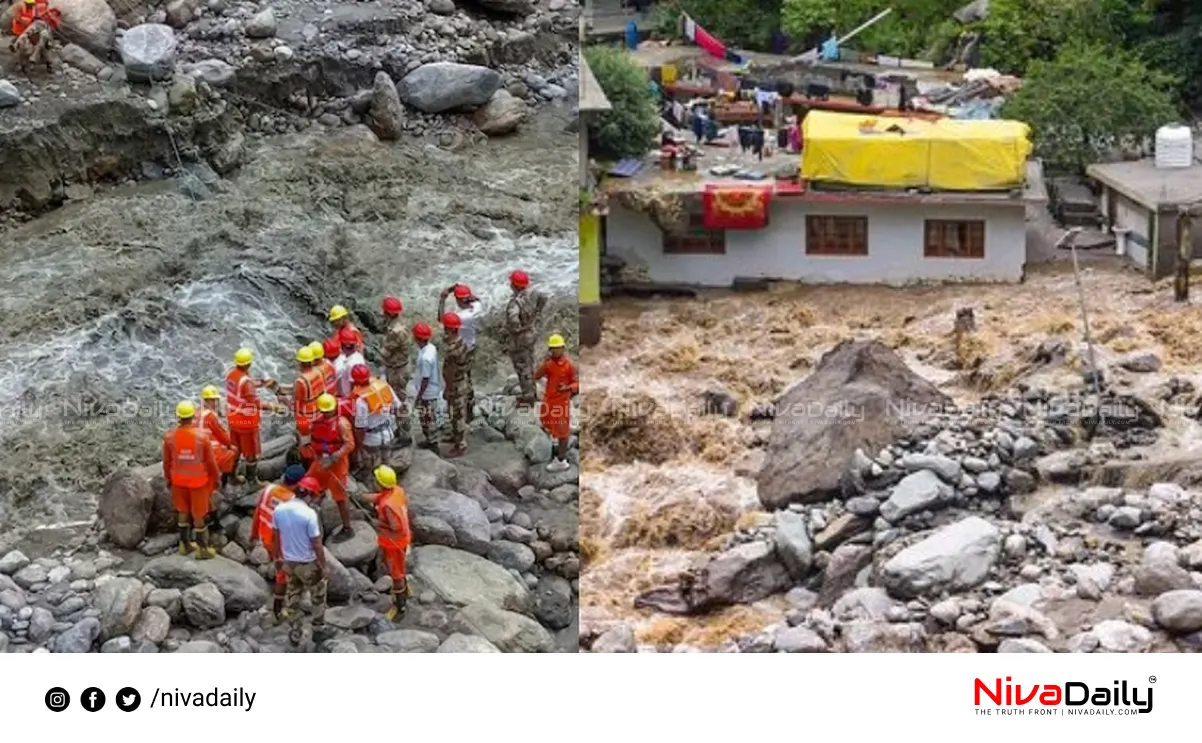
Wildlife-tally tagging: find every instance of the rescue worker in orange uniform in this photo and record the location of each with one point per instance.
(556, 411)
(309, 386)
(392, 534)
(190, 471)
(244, 411)
(325, 356)
(223, 445)
(333, 440)
(272, 495)
(35, 10)
(340, 318)
(374, 415)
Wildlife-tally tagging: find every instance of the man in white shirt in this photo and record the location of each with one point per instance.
(349, 359)
(470, 311)
(376, 406)
(298, 552)
(429, 384)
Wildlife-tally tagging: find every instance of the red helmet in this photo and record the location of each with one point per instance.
(392, 306)
(360, 374)
(422, 331)
(520, 279)
(332, 349)
(462, 291)
(451, 321)
(310, 484)
(348, 337)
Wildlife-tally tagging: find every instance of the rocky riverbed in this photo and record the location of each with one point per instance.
(881, 501)
(494, 566)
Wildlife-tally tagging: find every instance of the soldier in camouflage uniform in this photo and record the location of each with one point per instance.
(396, 352)
(456, 376)
(521, 315)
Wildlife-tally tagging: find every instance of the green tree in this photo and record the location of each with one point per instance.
(1090, 100)
(628, 130)
(907, 31)
(747, 24)
(1018, 32)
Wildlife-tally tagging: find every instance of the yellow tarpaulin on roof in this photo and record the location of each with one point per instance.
(895, 152)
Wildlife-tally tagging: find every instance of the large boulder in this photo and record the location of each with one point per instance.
(443, 86)
(503, 114)
(428, 471)
(461, 578)
(1180, 611)
(360, 549)
(386, 115)
(204, 606)
(126, 502)
(860, 395)
(917, 492)
(461, 643)
(463, 514)
(742, 575)
(242, 587)
(509, 632)
(119, 601)
(148, 52)
(504, 464)
(954, 558)
(341, 586)
(88, 23)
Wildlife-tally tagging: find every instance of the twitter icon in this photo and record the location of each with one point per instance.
(128, 699)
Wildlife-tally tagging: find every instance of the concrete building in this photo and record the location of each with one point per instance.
(592, 102)
(825, 236)
(1140, 203)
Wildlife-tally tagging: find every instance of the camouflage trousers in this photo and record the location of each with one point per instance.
(522, 356)
(398, 379)
(471, 383)
(427, 416)
(33, 46)
(458, 402)
(301, 577)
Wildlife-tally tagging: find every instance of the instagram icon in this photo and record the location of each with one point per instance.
(57, 699)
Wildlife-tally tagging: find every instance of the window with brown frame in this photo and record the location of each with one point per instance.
(948, 238)
(696, 240)
(829, 235)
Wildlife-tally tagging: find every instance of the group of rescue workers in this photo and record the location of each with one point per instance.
(346, 416)
(33, 26)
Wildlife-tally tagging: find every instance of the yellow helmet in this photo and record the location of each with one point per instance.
(210, 393)
(386, 476)
(555, 341)
(337, 312)
(243, 357)
(304, 355)
(317, 351)
(185, 410)
(327, 403)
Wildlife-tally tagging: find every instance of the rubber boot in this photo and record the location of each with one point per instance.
(205, 550)
(399, 599)
(277, 607)
(252, 475)
(186, 545)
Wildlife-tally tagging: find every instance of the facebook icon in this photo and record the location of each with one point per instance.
(92, 699)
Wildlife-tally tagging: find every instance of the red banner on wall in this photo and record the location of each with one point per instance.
(735, 207)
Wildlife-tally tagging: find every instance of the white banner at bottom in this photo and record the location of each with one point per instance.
(682, 697)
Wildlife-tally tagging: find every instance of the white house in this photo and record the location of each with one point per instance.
(846, 236)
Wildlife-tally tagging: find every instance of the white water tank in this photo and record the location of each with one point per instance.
(1174, 147)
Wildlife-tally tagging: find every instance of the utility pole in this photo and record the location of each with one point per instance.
(1093, 377)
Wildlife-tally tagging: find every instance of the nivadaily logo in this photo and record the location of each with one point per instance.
(1069, 698)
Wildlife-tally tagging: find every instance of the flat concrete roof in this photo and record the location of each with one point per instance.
(1157, 189)
(592, 96)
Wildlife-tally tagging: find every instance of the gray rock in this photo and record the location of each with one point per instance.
(349, 617)
(360, 549)
(918, 491)
(214, 72)
(1021, 645)
(947, 611)
(200, 646)
(442, 7)
(512, 555)
(1115, 636)
(1160, 571)
(462, 513)
(798, 640)
(204, 606)
(30, 576)
(443, 86)
(553, 602)
(262, 25)
(12, 600)
(148, 52)
(408, 641)
(792, 543)
(9, 95)
(1092, 580)
(126, 504)
(89, 23)
(1125, 517)
(881, 637)
(1144, 362)
(1179, 612)
(12, 562)
(119, 601)
(946, 468)
(954, 558)
(741, 575)
(860, 604)
(618, 639)
(242, 587)
(120, 644)
(168, 599)
(80, 638)
(342, 585)
(386, 115)
(508, 631)
(153, 625)
(1025, 448)
(41, 625)
(429, 530)
(462, 578)
(461, 643)
(989, 482)
(1169, 493)
(502, 115)
(178, 13)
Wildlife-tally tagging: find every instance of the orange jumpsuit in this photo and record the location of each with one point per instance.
(329, 376)
(245, 413)
(332, 435)
(190, 469)
(392, 509)
(309, 386)
(223, 445)
(556, 411)
(273, 495)
(24, 17)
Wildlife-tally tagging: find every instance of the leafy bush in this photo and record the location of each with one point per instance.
(630, 129)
